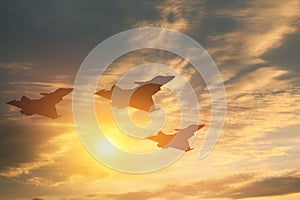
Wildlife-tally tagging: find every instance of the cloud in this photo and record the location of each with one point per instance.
(270, 186)
(259, 103)
(258, 29)
(17, 66)
(176, 15)
(237, 186)
(51, 162)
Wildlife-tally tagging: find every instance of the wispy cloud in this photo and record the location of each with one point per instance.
(16, 66)
(237, 186)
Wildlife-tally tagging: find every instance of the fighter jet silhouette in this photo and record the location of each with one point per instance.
(178, 140)
(141, 97)
(44, 106)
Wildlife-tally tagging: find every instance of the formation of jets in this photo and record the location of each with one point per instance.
(140, 98)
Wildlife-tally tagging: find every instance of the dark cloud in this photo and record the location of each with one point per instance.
(242, 72)
(286, 56)
(216, 5)
(220, 24)
(270, 186)
(61, 33)
(20, 143)
(37, 199)
(11, 189)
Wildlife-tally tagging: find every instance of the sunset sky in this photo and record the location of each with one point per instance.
(255, 45)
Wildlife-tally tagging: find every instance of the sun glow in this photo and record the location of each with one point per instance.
(106, 149)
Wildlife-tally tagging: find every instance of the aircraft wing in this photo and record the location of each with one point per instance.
(162, 139)
(149, 89)
(48, 112)
(142, 96)
(189, 131)
(186, 134)
(161, 80)
(104, 93)
(56, 96)
(180, 144)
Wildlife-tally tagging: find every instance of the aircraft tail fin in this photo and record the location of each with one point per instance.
(24, 98)
(44, 94)
(15, 103)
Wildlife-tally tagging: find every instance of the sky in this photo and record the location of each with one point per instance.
(255, 46)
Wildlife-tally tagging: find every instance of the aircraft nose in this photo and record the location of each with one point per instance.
(166, 79)
(68, 90)
(61, 91)
(10, 102)
(200, 126)
(169, 77)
